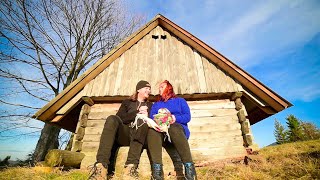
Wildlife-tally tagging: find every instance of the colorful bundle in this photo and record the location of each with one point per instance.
(163, 119)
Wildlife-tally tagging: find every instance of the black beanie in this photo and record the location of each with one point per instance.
(142, 84)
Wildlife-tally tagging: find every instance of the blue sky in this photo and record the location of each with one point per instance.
(278, 42)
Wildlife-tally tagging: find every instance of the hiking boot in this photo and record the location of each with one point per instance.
(98, 172)
(157, 172)
(130, 171)
(190, 171)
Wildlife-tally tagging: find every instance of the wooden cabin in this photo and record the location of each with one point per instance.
(224, 99)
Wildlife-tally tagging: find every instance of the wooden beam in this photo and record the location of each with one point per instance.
(57, 118)
(269, 110)
(188, 97)
(88, 100)
(254, 99)
(261, 105)
(70, 104)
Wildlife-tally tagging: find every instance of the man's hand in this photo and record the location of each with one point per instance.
(143, 110)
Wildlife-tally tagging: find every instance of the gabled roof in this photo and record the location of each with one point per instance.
(254, 90)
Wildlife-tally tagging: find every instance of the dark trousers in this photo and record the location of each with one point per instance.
(116, 134)
(155, 142)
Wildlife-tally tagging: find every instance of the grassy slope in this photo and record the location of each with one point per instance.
(299, 160)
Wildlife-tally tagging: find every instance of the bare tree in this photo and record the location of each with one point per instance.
(45, 45)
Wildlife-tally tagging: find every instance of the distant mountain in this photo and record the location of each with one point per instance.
(273, 144)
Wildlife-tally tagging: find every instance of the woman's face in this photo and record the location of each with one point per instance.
(162, 87)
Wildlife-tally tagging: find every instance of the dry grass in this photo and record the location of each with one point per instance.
(19, 173)
(300, 160)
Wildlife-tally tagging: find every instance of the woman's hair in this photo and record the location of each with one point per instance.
(168, 92)
(134, 96)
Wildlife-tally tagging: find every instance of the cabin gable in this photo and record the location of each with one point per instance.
(158, 59)
(197, 82)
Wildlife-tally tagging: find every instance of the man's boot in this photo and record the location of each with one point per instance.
(131, 171)
(98, 172)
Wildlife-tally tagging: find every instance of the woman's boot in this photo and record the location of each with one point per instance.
(157, 172)
(190, 171)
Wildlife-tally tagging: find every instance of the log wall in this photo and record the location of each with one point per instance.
(215, 133)
(215, 130)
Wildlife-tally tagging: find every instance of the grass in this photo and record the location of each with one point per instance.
(300, 160)
(23, 173)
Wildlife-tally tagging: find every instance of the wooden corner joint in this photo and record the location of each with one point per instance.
(236, 95)
(88, 100)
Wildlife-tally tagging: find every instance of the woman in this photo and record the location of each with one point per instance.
(178, 131)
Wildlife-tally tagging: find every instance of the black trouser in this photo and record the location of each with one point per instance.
(116, 134)
(156, 141)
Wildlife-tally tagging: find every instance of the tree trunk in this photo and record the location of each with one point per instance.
(69, 145)
(48, 140)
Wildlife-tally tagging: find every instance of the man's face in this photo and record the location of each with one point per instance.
(145, 92)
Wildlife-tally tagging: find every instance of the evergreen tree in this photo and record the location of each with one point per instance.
(5, 161)
(280, 133)
(295, 132)
(310, 131)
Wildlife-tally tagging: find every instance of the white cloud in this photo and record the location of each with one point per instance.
(258, 15)
(306, 93)
(258, 30)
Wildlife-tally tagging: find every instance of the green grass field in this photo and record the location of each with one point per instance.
(300, 160)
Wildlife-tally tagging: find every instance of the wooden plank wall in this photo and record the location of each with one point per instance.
(215, 134)
(96, 119)
(155, 60)
(215, 130)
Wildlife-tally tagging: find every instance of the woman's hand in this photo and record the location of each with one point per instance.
(173, 119)
(143, 110)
